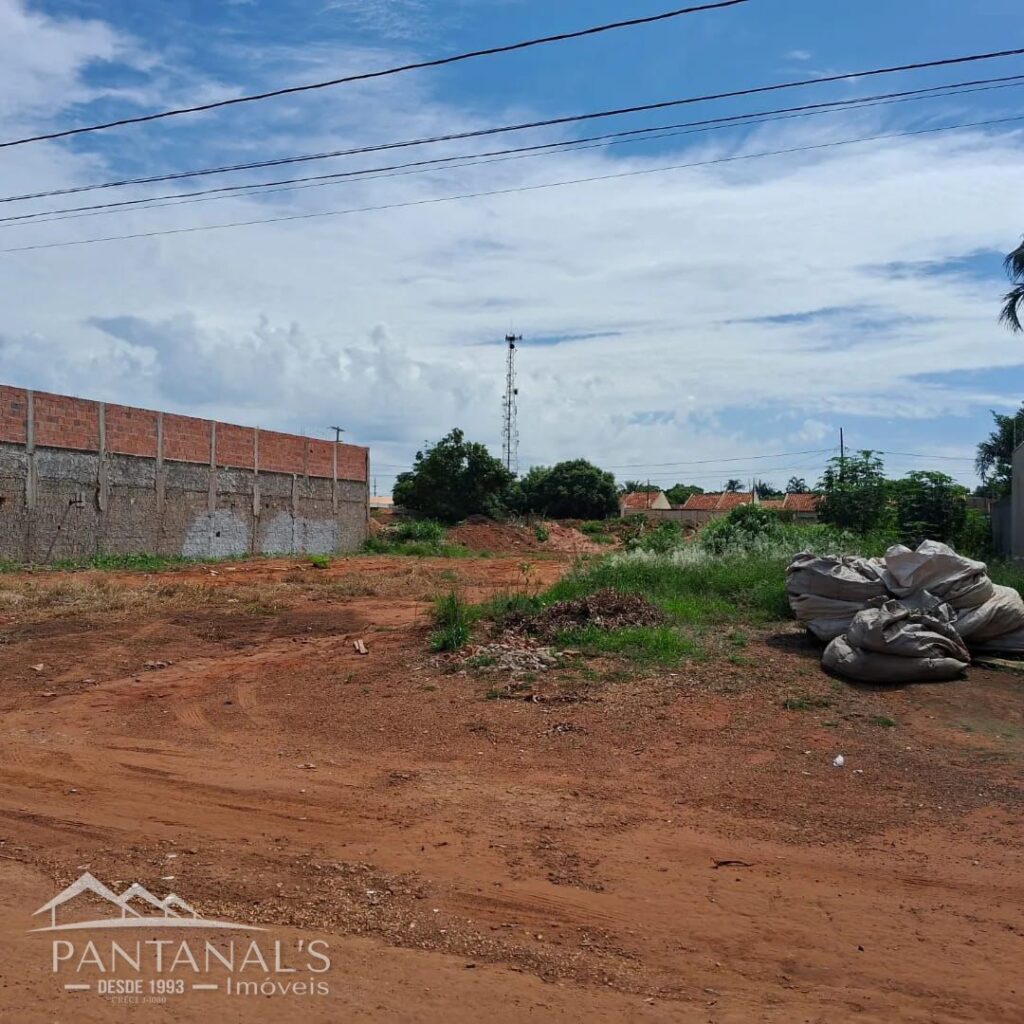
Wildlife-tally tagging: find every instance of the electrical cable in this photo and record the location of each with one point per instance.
(506, 191)
(367, 75)
(493, 156)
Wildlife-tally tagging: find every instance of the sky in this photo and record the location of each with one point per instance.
(680, 323)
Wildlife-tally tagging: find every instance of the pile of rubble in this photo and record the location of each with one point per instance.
(606, 609)
(513, 656)
(912, 615)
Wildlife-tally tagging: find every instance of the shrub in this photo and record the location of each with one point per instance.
(542, 533)
(666, 536)
(743, 527)
(427, 530)
(320, 561)
(929, 506)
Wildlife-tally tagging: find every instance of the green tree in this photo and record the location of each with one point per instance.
(569, 490)
(638, 487)
(1013, 304)
(452, 479)
(796, 485)
(929, 506)
(679, 494)
(763, 489)
(994, 459)
(733, 486)
(855, 493)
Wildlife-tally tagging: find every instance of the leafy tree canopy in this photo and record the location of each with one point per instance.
(678, 494)
(638, 487)
(796, 485)
(569, 490)
(855, 493)
(733, 486)
(929, 506)
(452, 479)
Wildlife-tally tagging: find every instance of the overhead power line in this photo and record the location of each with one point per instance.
(523, 126)
(435, 200)
(634, 135)
(368, 75)
(717, 462)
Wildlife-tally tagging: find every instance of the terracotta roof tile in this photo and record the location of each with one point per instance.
(701, 502)
(731, 501)
(638, 499)
(801, 503)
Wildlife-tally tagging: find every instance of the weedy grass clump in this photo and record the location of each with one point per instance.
(416, 538)
(453, 622)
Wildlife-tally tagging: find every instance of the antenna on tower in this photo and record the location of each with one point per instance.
(510, 409)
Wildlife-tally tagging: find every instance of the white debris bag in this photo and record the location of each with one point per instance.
(826, 592)
(1002, 614)
(935, 567)
(890, 643)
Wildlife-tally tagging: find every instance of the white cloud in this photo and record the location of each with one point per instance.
(390, 323)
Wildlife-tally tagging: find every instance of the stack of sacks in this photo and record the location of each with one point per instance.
(989, 617)
(848, 601)
(826, 593)
(890, 643)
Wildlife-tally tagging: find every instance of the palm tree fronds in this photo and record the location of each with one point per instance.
(1014, 263)
(1013, 308)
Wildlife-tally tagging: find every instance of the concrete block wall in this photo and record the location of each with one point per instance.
(81, 478)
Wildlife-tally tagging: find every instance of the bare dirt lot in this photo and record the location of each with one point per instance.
(641, 845)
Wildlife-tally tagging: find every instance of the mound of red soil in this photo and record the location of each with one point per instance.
(481, 534)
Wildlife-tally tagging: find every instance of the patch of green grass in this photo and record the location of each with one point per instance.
(415, 548)
(542, 533)
(646, 645)
(883, 721)
(738, 638)
(453, 619)
(482, 661)
(501, 607)
(592, 527)
(802, 702)
(744, 587)
(320, 561)
(1007, 574)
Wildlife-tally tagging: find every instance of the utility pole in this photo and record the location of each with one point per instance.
(510, 409)
(842, 455)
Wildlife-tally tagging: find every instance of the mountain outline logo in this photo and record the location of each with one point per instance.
(174, 912)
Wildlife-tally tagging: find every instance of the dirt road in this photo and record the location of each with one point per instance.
(659, 846)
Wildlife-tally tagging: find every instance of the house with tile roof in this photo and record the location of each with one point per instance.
(643, 501)
(702, 508)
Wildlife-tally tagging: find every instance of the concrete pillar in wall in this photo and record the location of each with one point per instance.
(256, 503)
(31, 481)
(212, 495)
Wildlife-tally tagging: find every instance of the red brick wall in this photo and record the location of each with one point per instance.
(186, 439)
(65, 422)
(234, 446)
(282, 453)
(13, 414)
(131, 431)
(321, 458)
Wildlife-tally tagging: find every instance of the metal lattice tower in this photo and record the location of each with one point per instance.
(510, 409)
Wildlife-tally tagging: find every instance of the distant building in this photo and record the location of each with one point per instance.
(702, 508)
(382, 503)
(642, 501)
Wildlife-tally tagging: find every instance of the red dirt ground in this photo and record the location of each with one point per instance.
(470, 859)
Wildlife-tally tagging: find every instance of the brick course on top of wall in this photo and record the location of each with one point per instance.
(65, 422)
